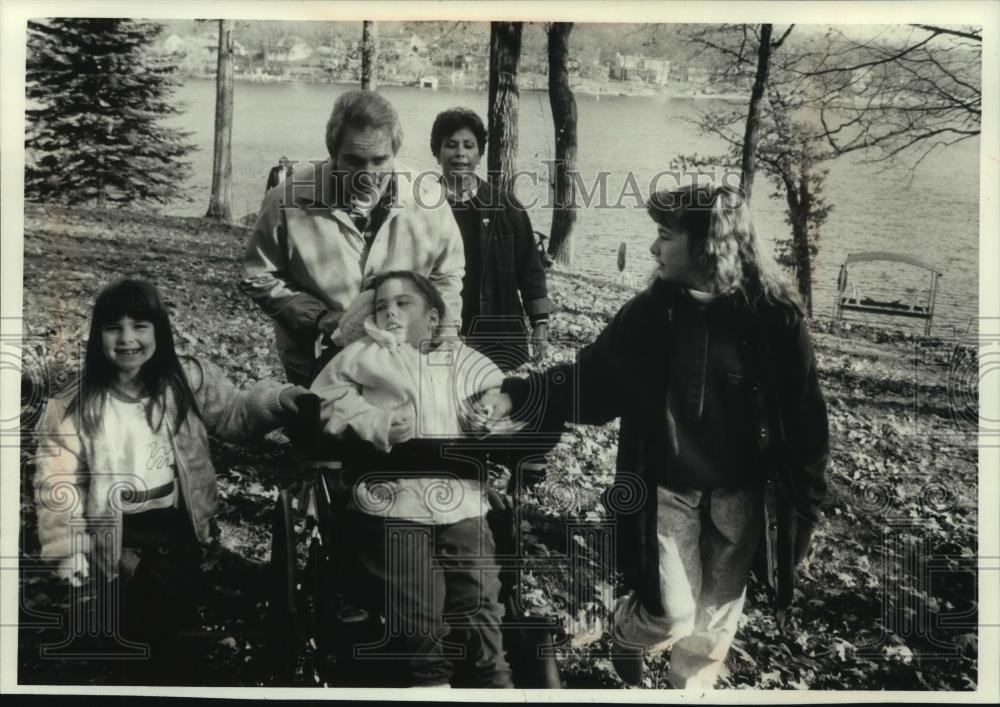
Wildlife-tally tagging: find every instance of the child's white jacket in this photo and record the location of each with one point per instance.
(374, 377)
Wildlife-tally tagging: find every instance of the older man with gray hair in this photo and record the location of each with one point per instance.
(339, 222)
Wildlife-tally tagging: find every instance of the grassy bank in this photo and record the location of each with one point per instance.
(888, 596)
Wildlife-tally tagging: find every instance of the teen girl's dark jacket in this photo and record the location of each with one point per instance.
(624, 373)
(513, 276)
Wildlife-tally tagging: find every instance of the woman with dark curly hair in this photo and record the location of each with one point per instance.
(504, 274)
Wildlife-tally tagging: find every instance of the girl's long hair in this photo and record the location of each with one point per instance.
(724, 242)
(140, 301)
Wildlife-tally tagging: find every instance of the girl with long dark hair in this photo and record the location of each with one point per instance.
(124, 481)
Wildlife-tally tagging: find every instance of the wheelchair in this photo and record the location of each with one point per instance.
(315, 619)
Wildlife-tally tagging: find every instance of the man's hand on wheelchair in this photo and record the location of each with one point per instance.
(328, 322)
(326, 325)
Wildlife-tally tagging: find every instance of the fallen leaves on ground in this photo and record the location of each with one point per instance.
(887, 599)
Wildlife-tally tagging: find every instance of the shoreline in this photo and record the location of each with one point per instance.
(596, 89)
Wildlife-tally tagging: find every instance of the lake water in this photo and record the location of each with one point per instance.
(932, 213)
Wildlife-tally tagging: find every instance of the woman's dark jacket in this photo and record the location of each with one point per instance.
(513, 276)
(623, 373)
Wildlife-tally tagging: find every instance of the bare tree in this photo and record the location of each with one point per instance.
(564, 119)
(220, 203)
(795, 164)
(748, 163)
(788, 152)
(369, 56)
(908, 93)
(770, 132)
(505, 54)
(902, 94)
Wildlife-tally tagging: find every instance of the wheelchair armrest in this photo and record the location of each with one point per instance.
(305, 430)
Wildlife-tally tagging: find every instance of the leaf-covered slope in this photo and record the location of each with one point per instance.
(887, 599)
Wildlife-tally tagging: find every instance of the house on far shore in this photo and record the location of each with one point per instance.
(288, 50)
(430, 82)
(698, 75)
(402, 46)
(629, 67)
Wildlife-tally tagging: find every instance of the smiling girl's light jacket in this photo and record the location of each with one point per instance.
(78, 496)
(375, 377)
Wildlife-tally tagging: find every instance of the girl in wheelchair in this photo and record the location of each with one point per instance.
(421, 543)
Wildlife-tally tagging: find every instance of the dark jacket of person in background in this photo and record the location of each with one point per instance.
(511, 282)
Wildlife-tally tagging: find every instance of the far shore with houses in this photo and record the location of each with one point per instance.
(408, 61)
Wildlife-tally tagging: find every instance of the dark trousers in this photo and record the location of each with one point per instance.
(158, 580)
(440, 590)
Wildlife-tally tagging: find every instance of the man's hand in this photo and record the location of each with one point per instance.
(329, 322)
(400, 428)
(539, 341)
(74, 569)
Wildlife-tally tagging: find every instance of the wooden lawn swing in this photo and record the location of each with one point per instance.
(855, 301)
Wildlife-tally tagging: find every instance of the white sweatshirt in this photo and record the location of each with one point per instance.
(373, 378)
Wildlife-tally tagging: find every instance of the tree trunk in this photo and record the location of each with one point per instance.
(505, 52)
(799, 200)
(564, 119)
(748, 163)
(220, 205)
(369, 56)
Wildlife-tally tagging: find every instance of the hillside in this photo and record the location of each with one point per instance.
(902, 503)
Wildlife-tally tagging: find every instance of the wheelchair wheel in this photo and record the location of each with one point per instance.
(531, 652)
(285, 622)
(528, 641)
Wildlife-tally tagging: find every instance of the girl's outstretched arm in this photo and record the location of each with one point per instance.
(229, 413)
(588, 391)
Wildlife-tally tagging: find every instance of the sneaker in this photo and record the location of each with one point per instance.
(629, 662)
